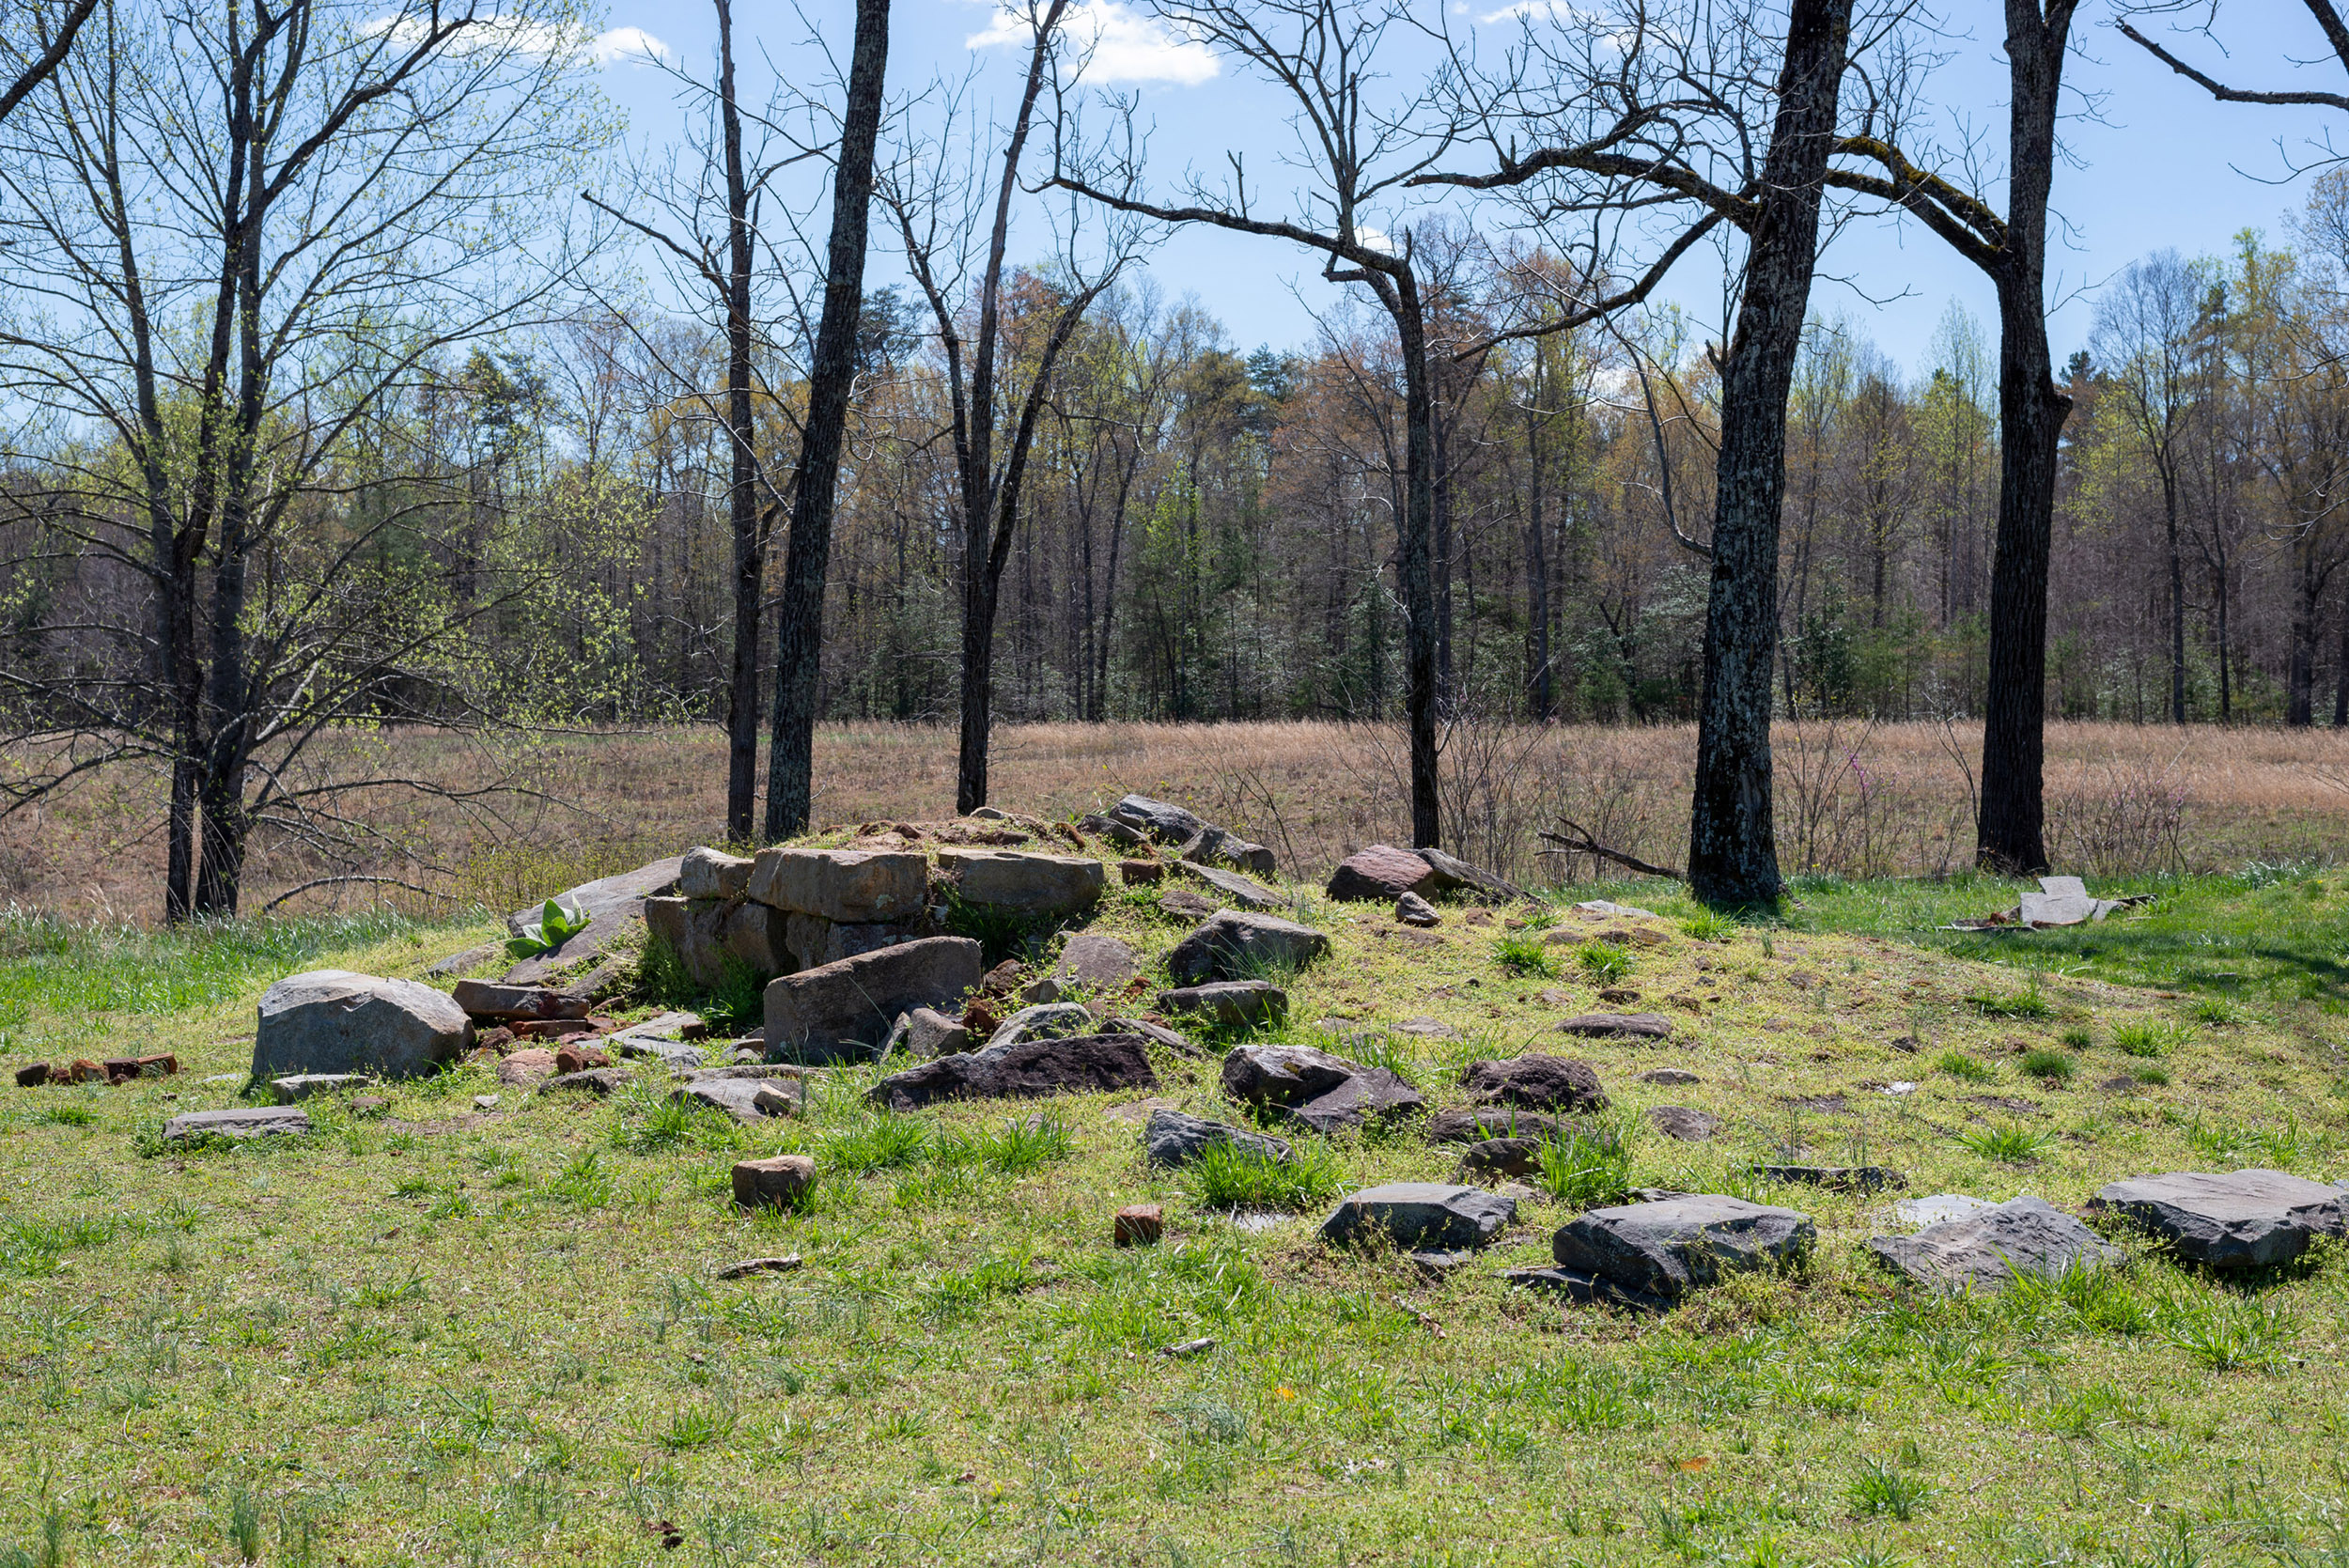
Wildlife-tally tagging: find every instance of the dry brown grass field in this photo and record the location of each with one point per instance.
(1856, 800)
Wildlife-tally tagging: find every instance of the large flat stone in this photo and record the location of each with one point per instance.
(707, 873)
(1422, 1215)
(747, 1100)
(845, 1008)
(1476, 1125)
(1160, 820)
(1619, 1026)
(1043, 885)
(334, 1021)
(1540, 1083)
(1234, 945)
(616, 904)
(1172, 1139)
(812, 941)
(1214, 846)
(1243, 891)
(301, 1086)
(1088, 965)
(1228, 1003)
(2234, 1219)
(1985, 1250)
(1454, 874)
(1085, 1063)
(1044, 1020)
(497, 1000)
(239, 1122)
(1670, 1246)
(1284, 1075)
(711, 936)
(852, 886)
(924, 1033)
(1372, 1095)
(1380, 873)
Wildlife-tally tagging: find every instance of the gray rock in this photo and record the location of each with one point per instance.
(711, 936)
(812, 941)
(2237, 1220)
(1628, 1026)
(1185, 905)
(1599, 909)
(333, 1021)
(1168, 824)
(485, 1102)
(239, 1122)
(707, 873)
(471, 958)
(845, 1008)
(1421, 1216)
(1917, 1213)
(1542, 1083)
(1684, 1125)
(1503, 1156)
(1985, 1250)
(1284, 1075)
(1157, 1033)
(1672, 1247)
(1475, 1127)
(1673, 1077)
(849, 886)
(1583, 1289)
(924, 1033)
(1084, 1063)
(1110, 828)
(1089, 964)
(746, 1100)
(1228, 1003)
(1042, 885)
(1454, 874)
(651, 1047)
(1373, 1095)
(1411, 910)
(1172, 1139)
(615, 904)
(1046, 1020)
(497, 1000)
(1245, 892)
(1380, 874)
(301, 1086)
(1213, 846)
(1233, 945)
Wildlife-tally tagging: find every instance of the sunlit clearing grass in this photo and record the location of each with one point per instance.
(1228, 1176)
(1522, 953)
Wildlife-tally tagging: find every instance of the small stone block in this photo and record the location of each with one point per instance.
(1139, 1225)
(32, 1077)
(781, 1182)
(1137, 874)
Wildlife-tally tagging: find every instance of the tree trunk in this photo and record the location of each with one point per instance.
(742, 520)
(2300, 679)
(1732, 849)
(799, 634)
(2177, 604)
(1418, 588)
(2011, 835)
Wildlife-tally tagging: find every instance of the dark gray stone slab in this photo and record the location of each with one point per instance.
(1474, 1127)
(1672, 1247)
(1985, 1250)
(845, 1008)
(616, 904)
(1046, 1020)
(275, 1121)
(1684, 1124)
(745, 1099)
(1422, 1215)
(1619, 1026)
(2234, 1219)
(301, 1086)
(1539, 1082)
(1233, 944)
(1085, 1063)
(1172, 1139)
(1582, 1289)
(1228, 1003)
(1373, 1095)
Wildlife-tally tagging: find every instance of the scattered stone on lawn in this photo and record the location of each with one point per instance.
(1044, 1022)
(239, 1122)
(1116, 831)
(485, 1102)
(2235, 1219)
(1187, 1349)
(670, 1026)
(1835, 1178)
(1672, 1075)
(526, 1068)
(844, 1008)
(707, 873)
(1053, 885)
(1245, 892)
(1628, 1026)
(1917, 1213)
(1213, 846)
(1229, 1004)
(334, 1021)
(1428, 1029)
(1421, 1216)
(32, 1077)
(1233, 945)
(301, 1086)
(1373, 1095)
(1543, 1082)
(1099, 965)
(924, 1033)
(1411, 910)
(1138, 1225)
(614, 904)
(1585, 1290)
(368, 1107)
(1326, 1093)
(1825, 1104)
(653, 1047)
(471, 958)
(1135, 874)
(1084, 1063)
(1985, 1250)
(598, 1081)
(1173, 1138)
(749, 1267)
(496, 1001)
(1475, 1127)
(1600, 908)
(747, 1100)
(858, 887)
(782, 1182)
(579, 1057)
(1673, 1246)
(1454, 874)
(124, 1069)
(1168, 824)
(1150, 1030)
(1683, 1123)
(713, 936)
(1186, 904)
(1503, 1156)
(1380, 874)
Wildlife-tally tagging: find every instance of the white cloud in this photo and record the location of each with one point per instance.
(541, 39)
(1118, 43)
(632, 44)
(1376, 238)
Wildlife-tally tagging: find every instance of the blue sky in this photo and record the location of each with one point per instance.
(2154, 164)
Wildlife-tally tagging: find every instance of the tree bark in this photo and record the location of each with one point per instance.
(800, 632)
(743, 518)
(1417, 556)
(1733, 847)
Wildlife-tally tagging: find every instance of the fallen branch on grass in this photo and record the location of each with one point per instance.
(1575, 839)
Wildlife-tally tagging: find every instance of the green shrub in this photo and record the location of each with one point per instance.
(2007, 1146)
(2150, 1037)
(1709, 925)
(2029, 1002)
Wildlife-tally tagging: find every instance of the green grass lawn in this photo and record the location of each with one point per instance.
(451, 1335)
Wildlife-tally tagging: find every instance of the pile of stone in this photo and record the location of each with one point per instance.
(1324, 1093)
(1652, 1253)
(1385, 874)
(113, 1069)
(1137, 820)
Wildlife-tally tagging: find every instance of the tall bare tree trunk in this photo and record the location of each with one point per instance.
(742, 520)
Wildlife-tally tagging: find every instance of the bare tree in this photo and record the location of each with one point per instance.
(33, 59)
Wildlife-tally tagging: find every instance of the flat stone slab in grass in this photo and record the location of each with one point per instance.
(844, 1008)
(1937, 1207)
(1676, 1244)
(1082, 1065)
(1230, 1004)
(598, 1081)
(496, 1000)
(852, 886)
(616, 904)
(1094, 964)
(334, 1021)
(1422, 1215)
(1674, 1076)
(1985, 1250)
(745, 1099)
(1242, 890)
(1214, 846)
(707, 873)
(239, 1122)
(1236, 945)
(1284, 1075)
(1046, 1020)
(1474, 1127)
(1373, 1095)
(1173, 1138)
(301, 1086)
(1029, 884)
(1543, 1082)
(1684, 1124)
(1836, 1178)
(1503, 1156)
(1380, 873)
(1455, 875)
(2237, 1220)
(1619, 1026)
(1411, 910)
(925, 1033)
(1168, 824)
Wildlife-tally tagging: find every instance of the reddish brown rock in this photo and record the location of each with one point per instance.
(782, 1182)
(1381, 873)
(1138, 1225)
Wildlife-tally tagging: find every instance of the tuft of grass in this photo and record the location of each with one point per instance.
(697, 1428)
(243, 1523)
(2150, 1037)
(1586, 1169)
(2078, 1037)
(1018, 1147)
(2149, 1074)
(1228, 1176)
(2007, 1146)
(2218, 1011)
(1522, 953)
(1885, 1490)
(2227, 1334)
(882, 1142)
(1964, 1067)
(582, 1181)
(2029, 1002)
(953, 1297)
(68, 1114)
(1709, 925)
(2048, 1064)
(1605, 963)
